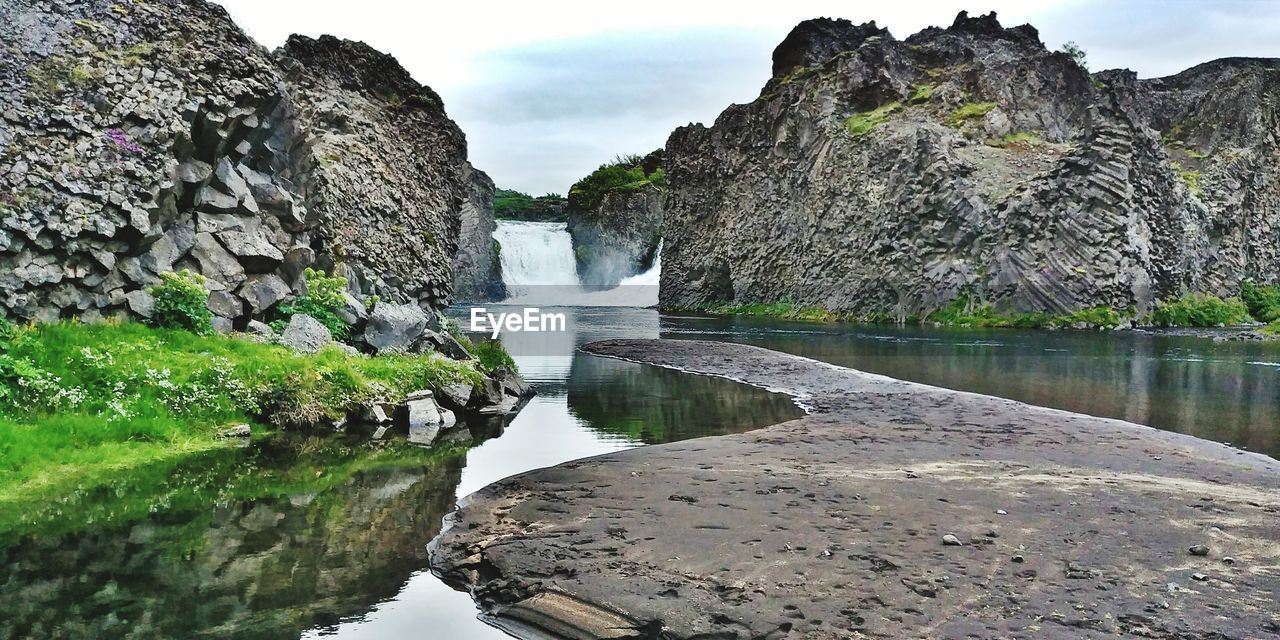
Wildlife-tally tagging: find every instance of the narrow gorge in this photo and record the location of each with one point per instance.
(949, 336)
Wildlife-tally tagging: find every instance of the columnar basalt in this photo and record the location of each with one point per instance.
(895, 176)
(144, 137)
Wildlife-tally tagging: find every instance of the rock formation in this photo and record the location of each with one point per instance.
(616, 228)
(890, 177)
(144, 137)
(477, 265)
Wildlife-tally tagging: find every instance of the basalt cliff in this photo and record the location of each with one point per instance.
(898, 175)
(145, 137)
(614, 218)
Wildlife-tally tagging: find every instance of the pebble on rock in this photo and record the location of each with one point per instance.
(951, 541)
(1198, 550)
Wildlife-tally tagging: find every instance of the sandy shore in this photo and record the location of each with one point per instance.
(892, 510)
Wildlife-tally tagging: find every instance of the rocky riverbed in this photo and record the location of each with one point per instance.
(892, 510)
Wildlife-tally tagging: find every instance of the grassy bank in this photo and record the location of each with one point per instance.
(91, 408)
(1256, 303)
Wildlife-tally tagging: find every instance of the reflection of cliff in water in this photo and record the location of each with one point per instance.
(264, 568)
(656, 405)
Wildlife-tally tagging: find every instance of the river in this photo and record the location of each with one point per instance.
(347, 559)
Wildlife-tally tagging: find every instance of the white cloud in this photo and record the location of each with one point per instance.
(548, 90)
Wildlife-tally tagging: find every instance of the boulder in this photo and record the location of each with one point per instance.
(223, 325)
(353, 311)
(263, 291)
(512, 384)
(425, 418)
(141, 303)
(216, 263)
(305, 334)
(254, 251)
(456, 396)
(443, 343)
(260, 329)
(225, 304)
(395, 327)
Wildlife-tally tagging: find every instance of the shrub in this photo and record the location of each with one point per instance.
(968, 112)
(625, 173)
(1263, 301)
(455, 330)
(322, 301)
(1076, 53)
(860, 124)
(181, 303)
(510, 204)
(493, 356)
(1200, 310)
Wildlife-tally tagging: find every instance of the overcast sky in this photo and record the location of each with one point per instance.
(546, 91)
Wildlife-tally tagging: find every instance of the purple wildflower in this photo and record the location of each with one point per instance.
(122, 141)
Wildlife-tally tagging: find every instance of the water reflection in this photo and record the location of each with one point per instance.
(1221, 391)
(332, 543)
(259, 568)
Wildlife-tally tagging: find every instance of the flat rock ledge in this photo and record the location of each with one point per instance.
(1057, 525)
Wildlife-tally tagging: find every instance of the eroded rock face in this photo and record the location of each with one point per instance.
(993, 168)
(477, 268)
(620, 238)
(140, 138)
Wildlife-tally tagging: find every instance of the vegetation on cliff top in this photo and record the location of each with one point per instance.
(517, 205)
(83, 405)
(625, 173)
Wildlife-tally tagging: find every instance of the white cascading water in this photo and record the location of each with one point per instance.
(538, 268)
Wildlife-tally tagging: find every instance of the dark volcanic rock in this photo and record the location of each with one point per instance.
(619, 238)
(477, 266)
(993, 168)
(144, 137)
(814, 41)
(833, 525)
(619, 235)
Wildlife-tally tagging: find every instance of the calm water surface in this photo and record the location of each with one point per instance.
(347, 559)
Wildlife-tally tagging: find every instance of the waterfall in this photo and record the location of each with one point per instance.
(538, 268)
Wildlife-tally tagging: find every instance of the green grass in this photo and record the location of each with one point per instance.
(492, 355)
(1200, 310)
(83, 406)
(860, 124)
(1189, 177)
(1262, 301)
(960, 312)
(784, 310)
(921, 94)
(1023, 138)
(968, 112)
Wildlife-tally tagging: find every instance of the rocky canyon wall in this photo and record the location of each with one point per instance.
(889, 177)
(144, 137)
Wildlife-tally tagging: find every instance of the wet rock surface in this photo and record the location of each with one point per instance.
(892, 510)
(897, 175)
